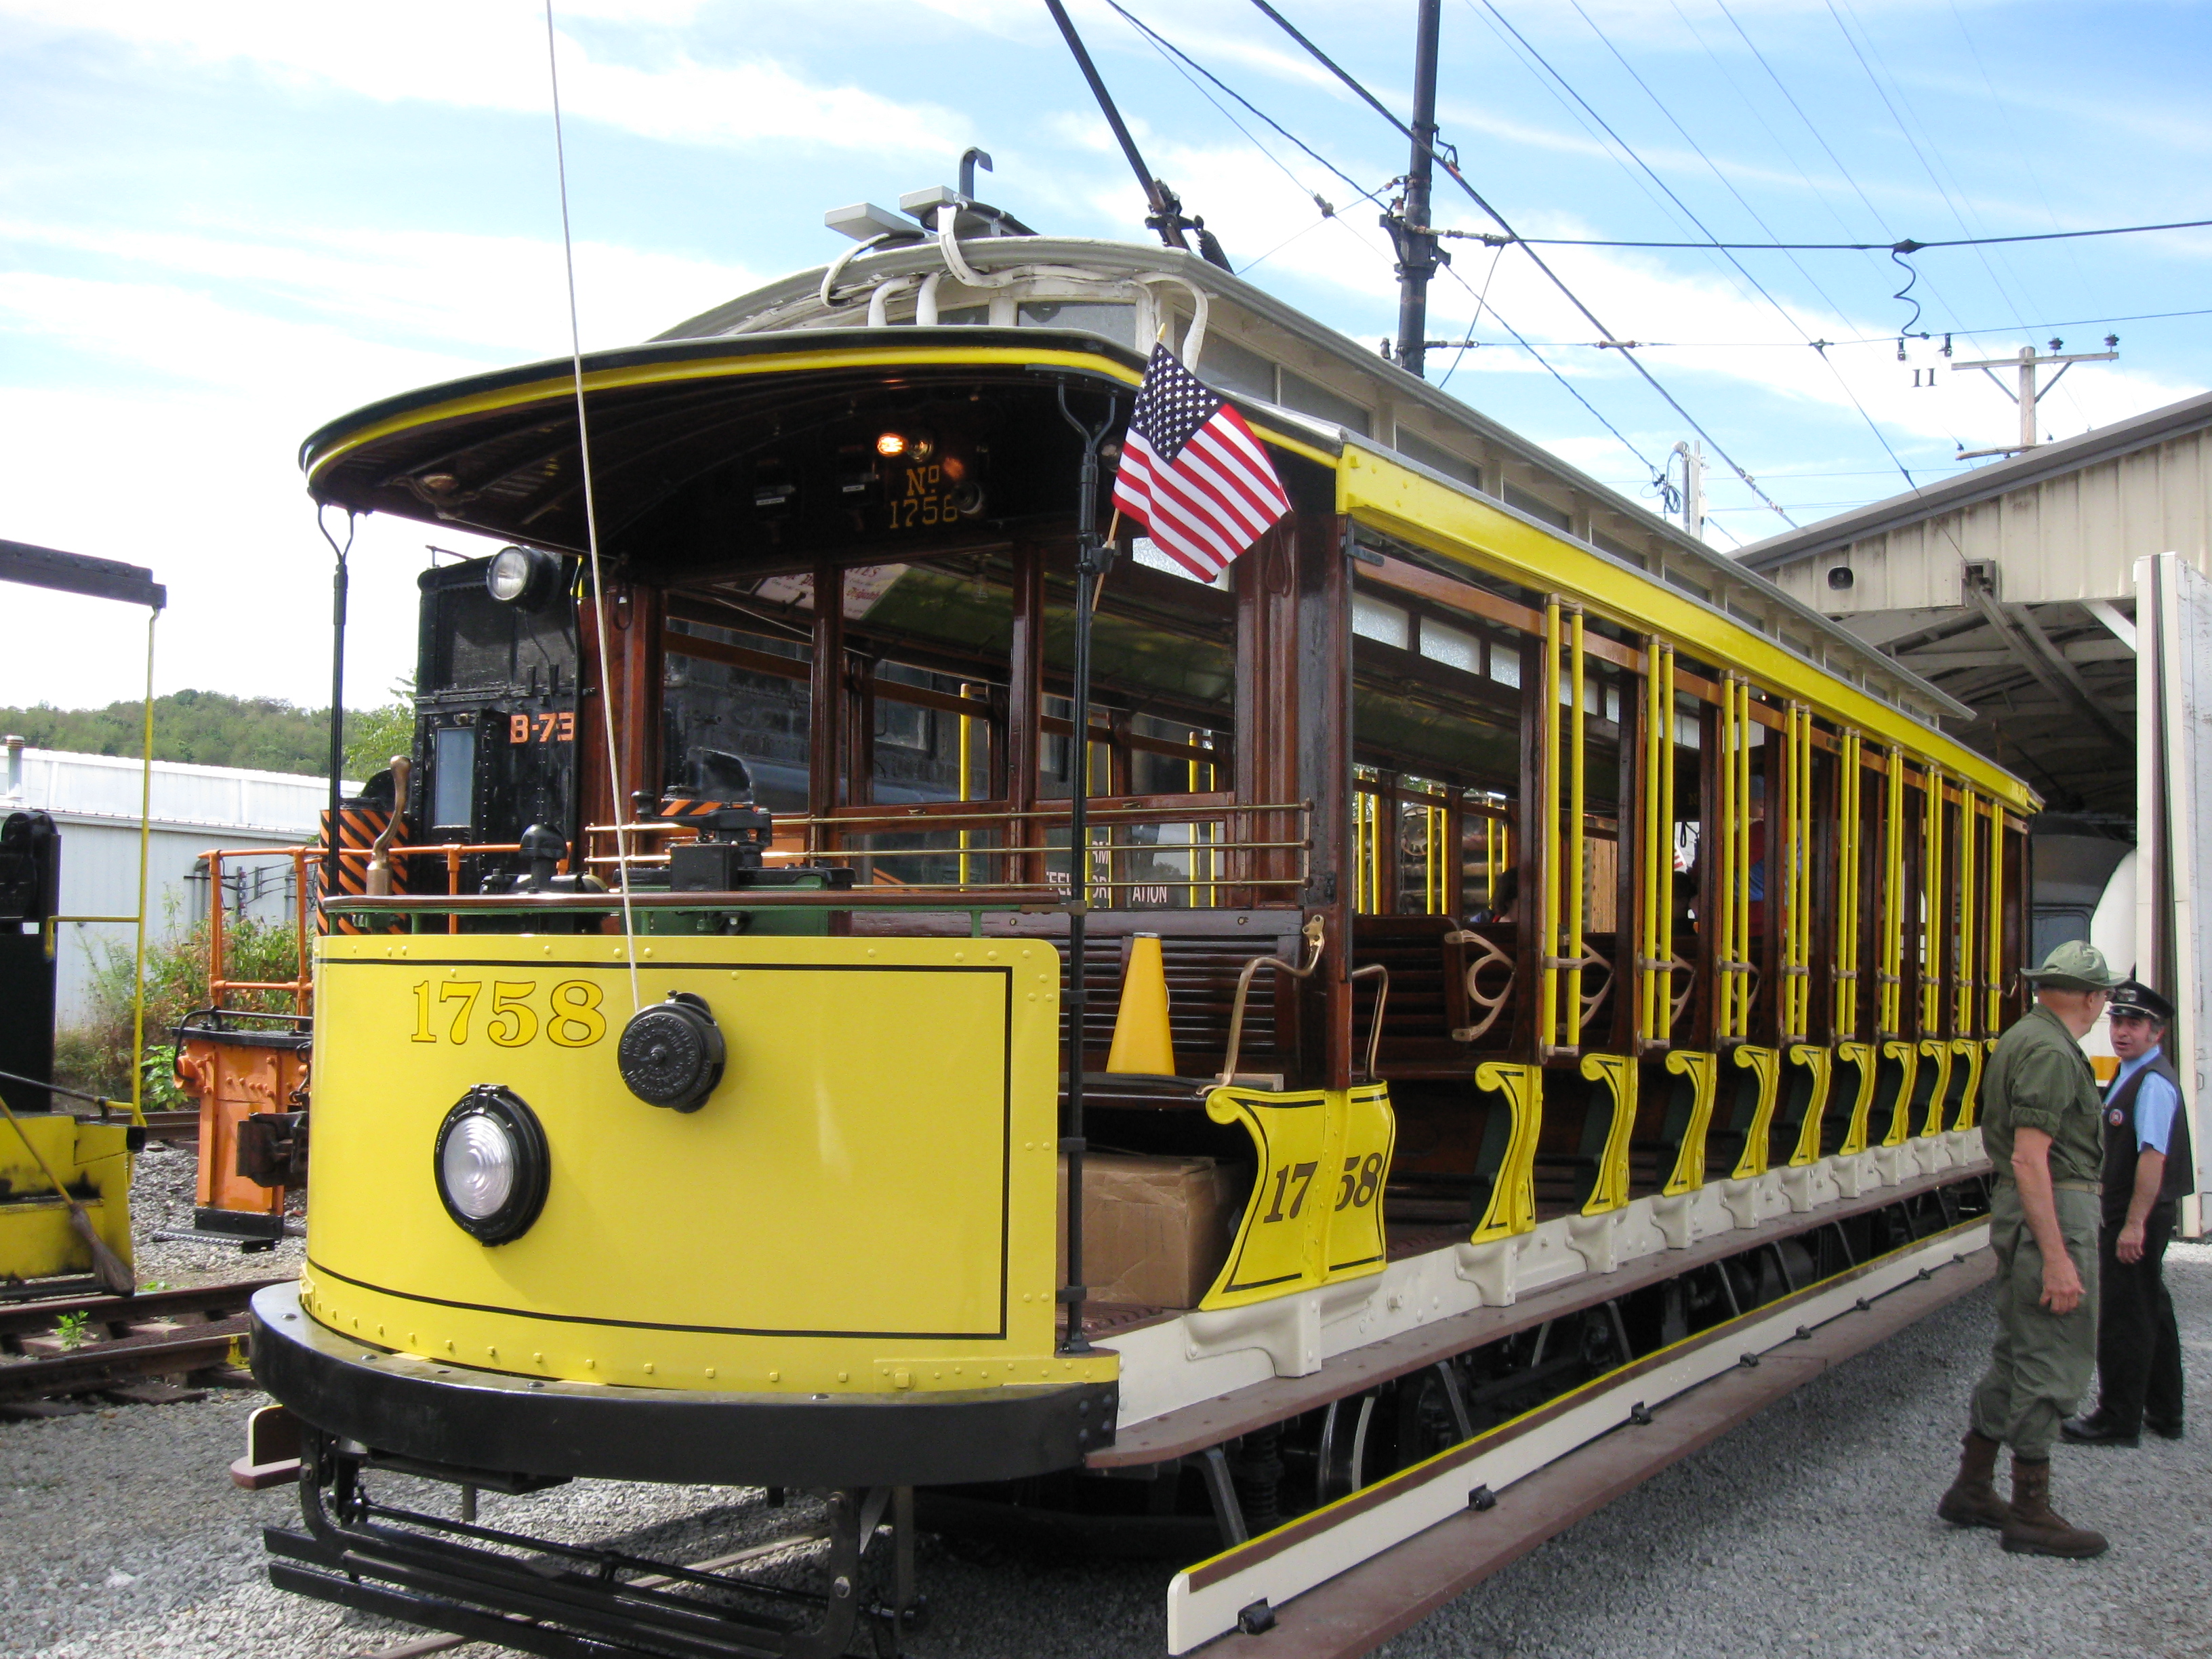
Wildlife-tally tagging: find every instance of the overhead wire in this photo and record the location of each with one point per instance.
(1190, 68)
(1450, 164)
(1482, 302)
(1881, 437)
(1780, 309)
(1907, 245)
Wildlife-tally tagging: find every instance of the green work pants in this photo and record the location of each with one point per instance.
(2040, 1366)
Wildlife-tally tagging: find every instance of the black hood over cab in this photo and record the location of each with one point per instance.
(496, 714)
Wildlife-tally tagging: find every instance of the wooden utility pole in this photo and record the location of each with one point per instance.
(1409, 228)
(2028, 395)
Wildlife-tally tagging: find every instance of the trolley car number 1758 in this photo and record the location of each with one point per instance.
(445, 1011)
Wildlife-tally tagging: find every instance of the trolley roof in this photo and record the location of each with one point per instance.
(497, 452)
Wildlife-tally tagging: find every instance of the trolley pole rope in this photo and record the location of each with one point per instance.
(620, 817)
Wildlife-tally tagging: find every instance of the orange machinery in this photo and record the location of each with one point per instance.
(245, 1062)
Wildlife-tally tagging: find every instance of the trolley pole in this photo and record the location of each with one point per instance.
(1410, 232)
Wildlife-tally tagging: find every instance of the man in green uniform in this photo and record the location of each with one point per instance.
(2042, 1126)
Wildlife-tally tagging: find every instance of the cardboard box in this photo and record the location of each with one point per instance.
(1156, 1229)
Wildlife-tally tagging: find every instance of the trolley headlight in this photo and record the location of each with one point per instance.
(521, 575)
(491, 1164)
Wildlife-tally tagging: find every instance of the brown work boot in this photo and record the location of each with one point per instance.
(2031, 1527)
(1972, 1500)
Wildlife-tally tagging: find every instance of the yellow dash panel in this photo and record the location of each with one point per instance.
(874, 1175)
(1315, 1213)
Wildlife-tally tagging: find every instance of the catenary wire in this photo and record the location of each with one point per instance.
(1451, 165)
(1909, 245)
(1482, 298)
(1780, 310)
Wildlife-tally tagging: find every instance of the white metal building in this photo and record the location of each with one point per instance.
(93, 800)
(2013, 587)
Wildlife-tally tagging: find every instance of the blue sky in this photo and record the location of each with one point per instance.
(225, 222)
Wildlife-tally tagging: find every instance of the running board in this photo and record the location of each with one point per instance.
(1392, 1553)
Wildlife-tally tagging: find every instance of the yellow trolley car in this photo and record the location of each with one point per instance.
(1578, 961)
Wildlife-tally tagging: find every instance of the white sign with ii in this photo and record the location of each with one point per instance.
(2173, 819)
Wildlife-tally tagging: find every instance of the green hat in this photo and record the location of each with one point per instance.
(2076, 965)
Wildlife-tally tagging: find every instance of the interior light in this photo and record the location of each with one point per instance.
(891, 443)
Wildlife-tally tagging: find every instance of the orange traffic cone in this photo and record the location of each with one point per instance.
(1141, 1039)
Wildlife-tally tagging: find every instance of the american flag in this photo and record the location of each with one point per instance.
(1193, 472)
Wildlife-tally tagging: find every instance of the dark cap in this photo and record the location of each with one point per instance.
(2076, 965)
(2132, 996)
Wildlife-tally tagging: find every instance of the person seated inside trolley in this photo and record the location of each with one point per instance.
(1505, 900)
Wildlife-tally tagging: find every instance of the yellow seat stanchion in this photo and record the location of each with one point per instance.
(1690, 1162)
(1821, 1064)
(1619, 1073)
(1142, 1040)
(1765, 1064)
(1859, 1055)
(1936, 1051)
(1971, 1052)
(1512, 1207)
(1907, 1055)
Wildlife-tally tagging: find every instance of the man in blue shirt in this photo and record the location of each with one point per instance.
(2149, 1165)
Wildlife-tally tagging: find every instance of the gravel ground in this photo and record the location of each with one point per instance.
(1808, 1530)
(161, 1201)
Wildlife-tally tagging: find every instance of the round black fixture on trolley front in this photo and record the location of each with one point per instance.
(671, 1054)
(522, 576)
(491, 1164)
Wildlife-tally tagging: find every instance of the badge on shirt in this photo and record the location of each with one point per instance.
(2115, 1117)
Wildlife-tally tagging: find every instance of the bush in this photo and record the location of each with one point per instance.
(95, 1056)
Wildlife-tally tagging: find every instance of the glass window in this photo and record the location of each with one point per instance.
(1454, 647)
(725, 728)
(1371, 619)
(1505, 664)
(1438, 458)
(1117, 323)
(453, 777)
(1223, 362)
(1537, 507)
(1147, 553)
(1302, 395)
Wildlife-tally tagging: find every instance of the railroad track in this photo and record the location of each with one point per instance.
(112, 1345)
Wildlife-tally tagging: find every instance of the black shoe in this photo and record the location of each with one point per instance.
(2165, 1431)
(2095, 1432)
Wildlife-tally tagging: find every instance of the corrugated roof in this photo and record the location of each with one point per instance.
(216, 798)
(2044, 461)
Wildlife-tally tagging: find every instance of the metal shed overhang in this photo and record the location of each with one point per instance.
(1982, 483)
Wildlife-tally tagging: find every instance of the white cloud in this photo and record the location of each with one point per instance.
(504, 296)
(205, 491)
(490, 54)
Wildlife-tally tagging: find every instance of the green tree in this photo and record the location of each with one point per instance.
(211, 728)
(94, 1055)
